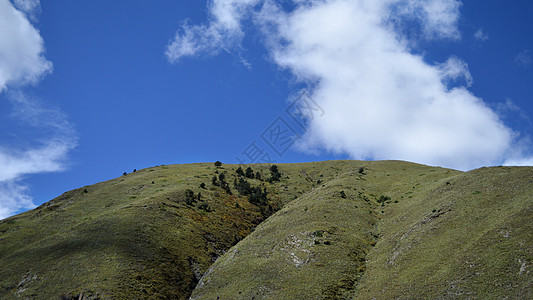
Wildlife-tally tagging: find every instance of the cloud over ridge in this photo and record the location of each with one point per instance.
(382, 100)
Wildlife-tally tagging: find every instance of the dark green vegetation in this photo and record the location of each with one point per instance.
(342, 230)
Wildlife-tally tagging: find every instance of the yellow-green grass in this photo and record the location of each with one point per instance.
(471, 237)
(316, 246)
(134, 236)
(345, 229)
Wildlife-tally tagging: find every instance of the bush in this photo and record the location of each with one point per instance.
(242, 186)
(343, 194)
(189, 197)
(249, 173)
(240, 172)
(275, 175)
(382, 199)
(218, 164)
(226, 188)
(258, 196)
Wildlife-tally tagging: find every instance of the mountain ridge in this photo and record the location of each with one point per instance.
(324, 230)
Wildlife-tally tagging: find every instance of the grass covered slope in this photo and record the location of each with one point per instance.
(316, 246)
(342, 230)
(142, 235)
(401, 231)
(139, 235)
(471, 237)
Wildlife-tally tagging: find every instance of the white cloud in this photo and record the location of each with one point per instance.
(481, 35)
(381, 100)
(12, 198)
(453, 69)
(46, 154)
(52, 136)
(30, 7)
(523, 59)
(21, 49)
(510, 109)
(224, 31)
(521, 154)
(521, 162)
(437, 18)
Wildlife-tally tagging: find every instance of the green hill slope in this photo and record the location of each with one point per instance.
(344, 229)
(143, 235)
(442, 234)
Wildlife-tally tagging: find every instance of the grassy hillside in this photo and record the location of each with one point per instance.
(141, 235)
(471, 237)
(344, 229)
(442, 234)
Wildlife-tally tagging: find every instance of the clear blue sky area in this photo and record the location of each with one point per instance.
(131, 108)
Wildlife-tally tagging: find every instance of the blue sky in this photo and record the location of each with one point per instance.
(92, 89)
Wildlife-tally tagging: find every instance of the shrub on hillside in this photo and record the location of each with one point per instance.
(275, 175)
(249, 173)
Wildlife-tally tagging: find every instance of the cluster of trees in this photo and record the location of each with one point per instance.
(242, 186)
(220, 180)
(275, 175)
(256, 194)
(249, 173)
(190, 198)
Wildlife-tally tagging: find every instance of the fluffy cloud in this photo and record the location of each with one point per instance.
(21, 49)
(27, 5)
(22, 62)
(381, 100)
(30, 7)
(223, 32)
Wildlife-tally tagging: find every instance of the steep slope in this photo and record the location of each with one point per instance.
(471, 237)
(316, 246)
(142, 235)
(442, 234)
